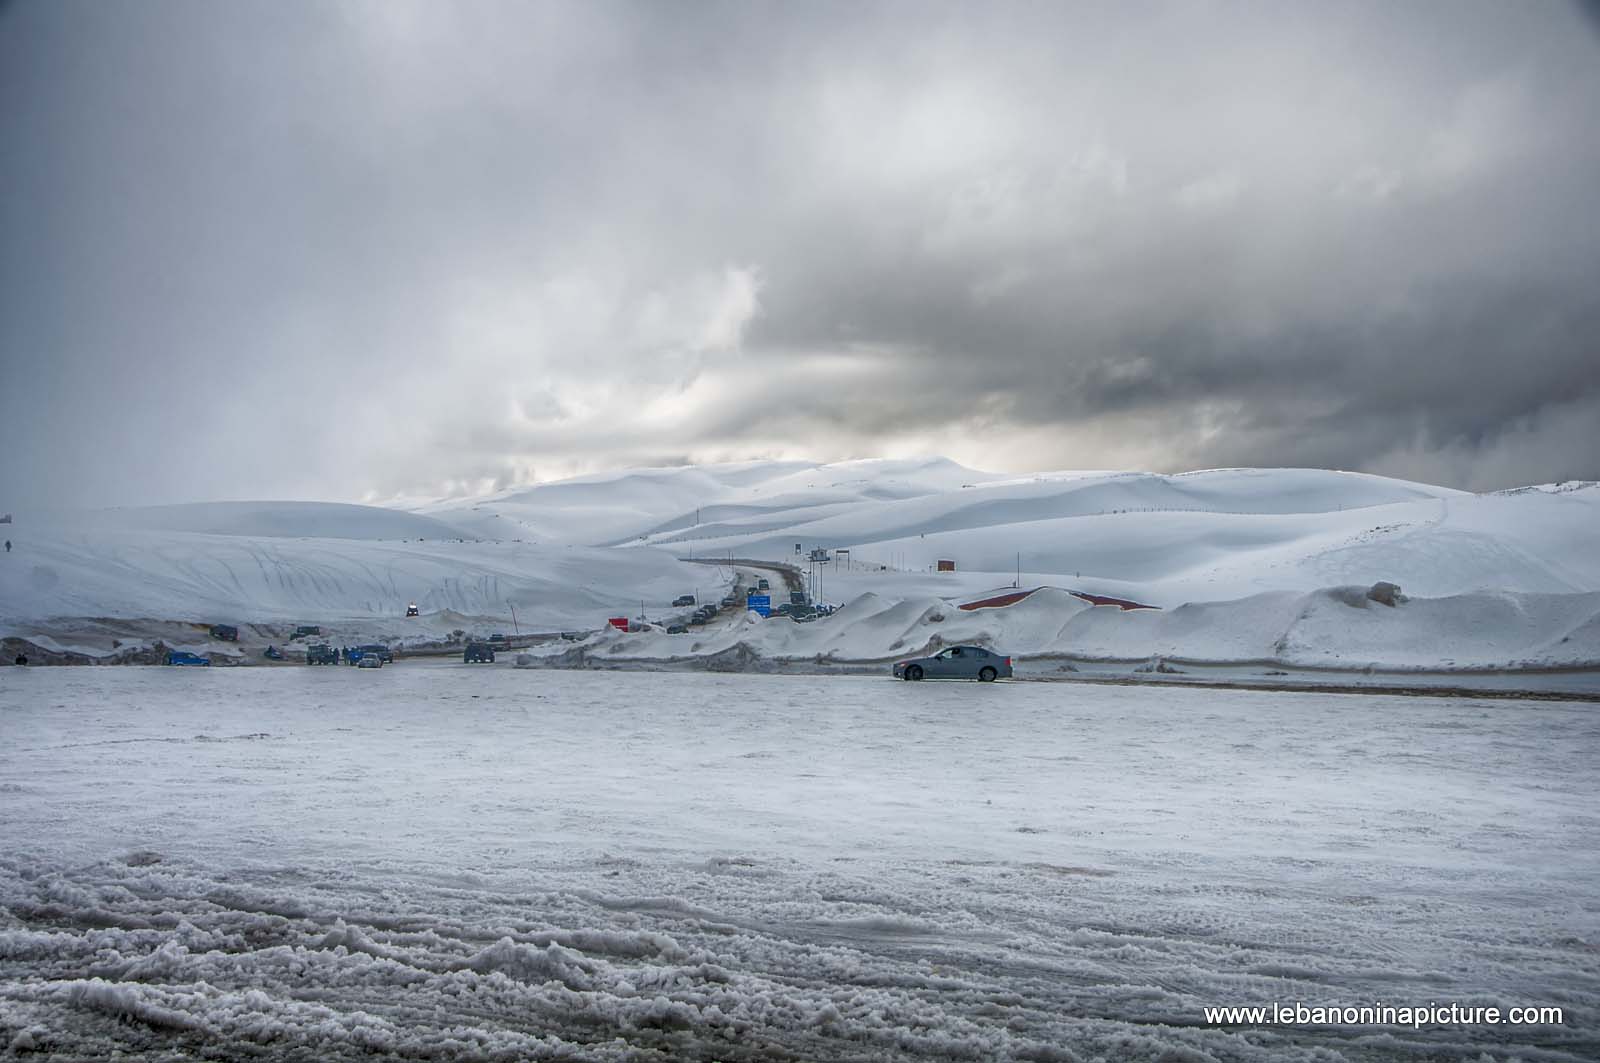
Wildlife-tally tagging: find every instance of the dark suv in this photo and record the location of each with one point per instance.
(375, 649)
(321, 654)
(224, 632)
(478, 653)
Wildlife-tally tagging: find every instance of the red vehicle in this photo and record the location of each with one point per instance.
(618, 622)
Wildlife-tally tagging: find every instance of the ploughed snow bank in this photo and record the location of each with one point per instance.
(1336, 627)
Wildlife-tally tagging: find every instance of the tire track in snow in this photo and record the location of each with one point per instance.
(681, 963)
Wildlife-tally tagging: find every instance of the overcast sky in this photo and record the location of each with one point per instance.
(360, 250)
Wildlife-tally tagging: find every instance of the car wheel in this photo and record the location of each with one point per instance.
(987, 675)
(914, 672)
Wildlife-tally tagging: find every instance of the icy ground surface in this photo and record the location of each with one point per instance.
(437, 861)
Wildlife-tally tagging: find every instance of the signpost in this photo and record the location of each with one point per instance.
(759, 603)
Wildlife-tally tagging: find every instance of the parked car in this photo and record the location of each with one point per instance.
(572, 636)
(224, 632)
(762, 585)
(683, 599)
(677, 629)
(497, 637)
(306, 631)
(321, 653)
(369, 660)
(411, 608)
(478, 653)
(184, 658)
(372, 649)
(729, 602)
(797, 597)
(957, 662)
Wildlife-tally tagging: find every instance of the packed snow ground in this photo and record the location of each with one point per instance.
(437, 861)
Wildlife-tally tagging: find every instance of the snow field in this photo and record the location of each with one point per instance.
(440, 862)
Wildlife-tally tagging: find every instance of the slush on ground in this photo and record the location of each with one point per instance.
(436, 861)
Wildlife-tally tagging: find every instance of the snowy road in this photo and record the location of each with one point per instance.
(435, 861)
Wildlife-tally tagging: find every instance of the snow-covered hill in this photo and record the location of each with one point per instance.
(236, 563)
(621, 508)
(1211, 535)
(1272, 542)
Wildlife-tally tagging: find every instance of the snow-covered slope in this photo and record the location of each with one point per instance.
(100, 572)
(616, 508)
(1211, 535)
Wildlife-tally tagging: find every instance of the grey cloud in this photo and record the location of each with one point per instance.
(391, 248)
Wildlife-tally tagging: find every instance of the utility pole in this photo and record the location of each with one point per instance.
(514, 626)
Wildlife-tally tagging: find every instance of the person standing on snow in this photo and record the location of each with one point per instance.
(8, 546)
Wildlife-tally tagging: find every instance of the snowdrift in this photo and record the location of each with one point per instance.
(1331, 628)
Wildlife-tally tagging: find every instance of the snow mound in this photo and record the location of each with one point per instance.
(1334, 628)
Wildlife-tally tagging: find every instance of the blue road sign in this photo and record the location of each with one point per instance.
(759, 603)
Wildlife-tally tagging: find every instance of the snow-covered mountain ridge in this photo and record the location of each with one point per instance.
(567, 554)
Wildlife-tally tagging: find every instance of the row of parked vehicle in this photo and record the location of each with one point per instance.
(372, 655)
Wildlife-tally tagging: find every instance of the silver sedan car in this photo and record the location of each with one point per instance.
(957, 662)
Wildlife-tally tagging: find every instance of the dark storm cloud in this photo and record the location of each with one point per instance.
(346, 249)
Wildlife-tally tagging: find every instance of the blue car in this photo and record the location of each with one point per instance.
(187, 659)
